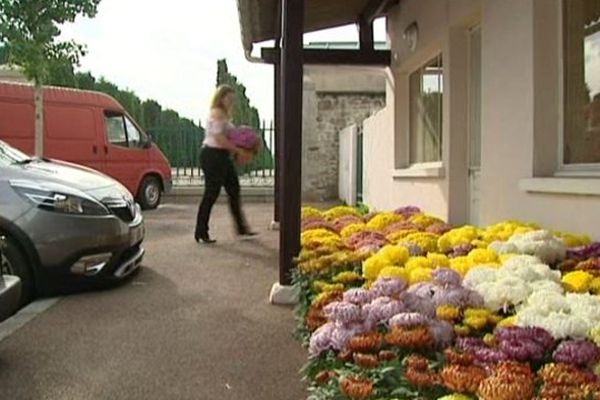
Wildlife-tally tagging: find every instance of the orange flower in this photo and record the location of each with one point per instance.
(368, 343)
(509, 381)
(417, 362)
(454, 357)
(387, 355)
(421, 379)
(365, 360)
(324, 376)
(461, 378)
(410, 338)
(356, 387)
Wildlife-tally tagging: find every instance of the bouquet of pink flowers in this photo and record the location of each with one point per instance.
(246, 139)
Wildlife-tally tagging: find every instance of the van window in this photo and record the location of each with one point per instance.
(133, 134)
(115, 130)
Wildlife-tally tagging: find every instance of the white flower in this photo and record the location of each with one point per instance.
(542, 244)
(478, 275)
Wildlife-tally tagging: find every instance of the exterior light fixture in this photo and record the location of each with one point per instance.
(411, 35)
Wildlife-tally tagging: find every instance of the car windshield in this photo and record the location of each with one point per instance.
(10, 155)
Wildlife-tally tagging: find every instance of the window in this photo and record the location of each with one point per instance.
(426, 93)
(122, 132)
(115, 129)
(133, 134)
(581, 137)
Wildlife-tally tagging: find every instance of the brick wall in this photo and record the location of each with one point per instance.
(326, 114)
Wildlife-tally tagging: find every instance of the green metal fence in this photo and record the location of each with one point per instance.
(182, 148)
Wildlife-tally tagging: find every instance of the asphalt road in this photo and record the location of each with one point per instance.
(194, 324)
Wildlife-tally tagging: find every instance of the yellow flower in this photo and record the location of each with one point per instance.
(419, 275)
(373, 266)
(489, 339)
(394, 272)
(507, 322)
(504, 230)
(458, 236)
(397, 236)
(438, 260)
(476, 322)
(426, 241)
(462, 264)
(594, 334)
(577, 281)
(595, 286)
(495, 319)
(418, 263)
(478, 313)
(447, 312)
(383, 220)
(480, 244)
(597, 369)
(572, 240)
(462, 330)
(352, 229)
(424, 220)
(307, 212)
(482, 256)
(340, 211)
(321, 286)
(347, 277)
(455, 396)
(395, 255)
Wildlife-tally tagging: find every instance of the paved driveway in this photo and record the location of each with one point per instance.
(194, 324)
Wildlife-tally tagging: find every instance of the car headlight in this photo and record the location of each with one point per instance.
(59, 200)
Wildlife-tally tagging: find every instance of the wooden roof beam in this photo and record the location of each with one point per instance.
(366, 57)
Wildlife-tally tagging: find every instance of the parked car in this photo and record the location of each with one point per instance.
(90, 129)
(10, 287)
(65, 224)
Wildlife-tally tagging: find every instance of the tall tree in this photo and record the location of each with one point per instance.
(31, 29)
(244, 113)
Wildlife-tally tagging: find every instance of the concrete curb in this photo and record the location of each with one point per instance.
(27, 314)
(265, 194)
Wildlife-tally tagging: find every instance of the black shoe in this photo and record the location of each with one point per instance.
(204, 238)
(247, 234)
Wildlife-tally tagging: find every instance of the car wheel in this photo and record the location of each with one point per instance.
(150, 193)
(13, 262)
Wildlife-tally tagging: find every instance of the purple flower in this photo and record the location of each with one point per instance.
(442, 332)
(358, 296)
(439, 228)
(408, 211)
(244, 137)
(581, 253)
(408, 319)
(470, 344)
(400, 226)
(382, 309)
(340, 337)
(364, 238)
(414, 303)
(321, 339)
(388, 286)
(346, 220)
(486, 355)
(446, 277)
(343, 312)
(454, 296)
(516, 333)
(582, 353)
(474, 299)
(461, 250)
(425, 290)
(413, 249)
(522, 350)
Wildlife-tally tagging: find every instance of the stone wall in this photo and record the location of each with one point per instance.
(326, 114)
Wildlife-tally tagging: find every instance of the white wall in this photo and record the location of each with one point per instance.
(348, 165)
(521, 107)
(520, 118)
(389, 179)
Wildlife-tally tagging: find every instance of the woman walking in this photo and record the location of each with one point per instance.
(216, 161)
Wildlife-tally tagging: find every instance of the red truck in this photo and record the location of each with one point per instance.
(90, 129)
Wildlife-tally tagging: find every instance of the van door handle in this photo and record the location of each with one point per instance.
(105, 149)
(95, 149)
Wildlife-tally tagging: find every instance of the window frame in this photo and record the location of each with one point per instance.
(439, 55)
(125, 118)
(564, 169)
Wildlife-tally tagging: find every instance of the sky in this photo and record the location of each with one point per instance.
(169, 51)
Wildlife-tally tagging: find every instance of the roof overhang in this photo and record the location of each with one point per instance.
(260, 19)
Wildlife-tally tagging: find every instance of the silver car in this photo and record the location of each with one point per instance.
(65, 225)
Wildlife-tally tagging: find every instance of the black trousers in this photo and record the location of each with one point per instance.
(219, 172)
